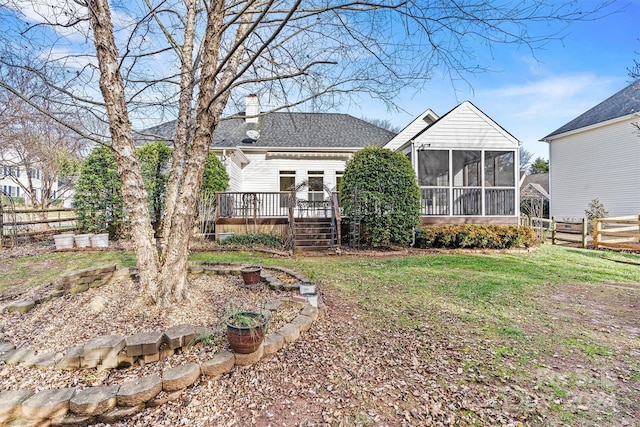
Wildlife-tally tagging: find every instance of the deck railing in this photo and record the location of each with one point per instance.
(467, 201)
(254, 205)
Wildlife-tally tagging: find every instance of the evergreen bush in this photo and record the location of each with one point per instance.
(253, 240)
(379, 188)
(98, 199)
(475, 236)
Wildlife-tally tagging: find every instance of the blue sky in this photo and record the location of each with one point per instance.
(531, 97)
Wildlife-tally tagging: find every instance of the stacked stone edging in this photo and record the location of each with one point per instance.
(73, 283)
(75, 406)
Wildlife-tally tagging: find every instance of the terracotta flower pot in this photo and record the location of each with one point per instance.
(251, 275)
(245, 331)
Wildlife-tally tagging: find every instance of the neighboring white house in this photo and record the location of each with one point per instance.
(597, 156)
(466, 164)
(15, 177)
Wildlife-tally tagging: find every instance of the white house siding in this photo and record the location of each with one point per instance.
(602, 163)
(234, 170)
(263, 174)
(424, 120)
(466, 127)
(15, 183)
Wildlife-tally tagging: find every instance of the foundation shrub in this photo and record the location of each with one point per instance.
(253, 240)
(475, 236)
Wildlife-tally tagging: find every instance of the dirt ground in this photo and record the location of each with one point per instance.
(344, 372)
(347, 372)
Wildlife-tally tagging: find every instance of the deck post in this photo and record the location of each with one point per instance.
(584, 233)
(553, 230)
(216, 216)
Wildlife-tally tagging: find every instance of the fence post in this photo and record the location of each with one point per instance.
(596, 232)
(584, 233)
(553, 230)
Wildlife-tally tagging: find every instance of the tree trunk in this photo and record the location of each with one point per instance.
(184, 117)
(135, 195)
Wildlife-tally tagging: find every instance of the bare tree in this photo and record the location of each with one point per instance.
(525, 159)
(38, 153)
(193, 59)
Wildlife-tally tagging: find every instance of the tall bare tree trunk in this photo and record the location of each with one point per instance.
(181, 138)
(135, 195)
(213, 96)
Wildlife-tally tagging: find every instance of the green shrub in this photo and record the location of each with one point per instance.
(379, 189)
(475, 236)
(17, 200)
(155, 162)
(98, 199)
(253, 240)
(215, 177)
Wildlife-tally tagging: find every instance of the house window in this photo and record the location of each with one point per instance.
(287, 182)
(467, 182)
(499, 171)
(433, 168)
(467, 191)
(316, 186)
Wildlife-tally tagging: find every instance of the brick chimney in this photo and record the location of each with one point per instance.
(252, 108)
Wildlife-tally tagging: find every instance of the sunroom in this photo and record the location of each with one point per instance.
(466, 166)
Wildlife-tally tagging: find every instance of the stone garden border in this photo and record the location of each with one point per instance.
(107, 404)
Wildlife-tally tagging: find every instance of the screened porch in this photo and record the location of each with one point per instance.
(467, 183)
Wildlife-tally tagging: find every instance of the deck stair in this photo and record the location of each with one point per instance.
(314, 234)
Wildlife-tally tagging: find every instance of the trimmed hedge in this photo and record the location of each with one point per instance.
(252, 240)
(475, 236)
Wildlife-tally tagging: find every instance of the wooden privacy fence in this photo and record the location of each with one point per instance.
(621, 232)
(560, 231)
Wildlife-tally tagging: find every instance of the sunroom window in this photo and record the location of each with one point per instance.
(467, 182)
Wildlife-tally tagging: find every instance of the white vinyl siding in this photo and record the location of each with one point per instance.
(602, 163)
(263, 175)
(466, 127)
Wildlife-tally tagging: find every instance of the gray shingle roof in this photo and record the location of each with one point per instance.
(623, 103)
(296, 130)
(540, 179)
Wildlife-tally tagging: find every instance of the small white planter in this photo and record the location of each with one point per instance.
(99, 240)
(83, 240)
(307, 288)
(63, 241)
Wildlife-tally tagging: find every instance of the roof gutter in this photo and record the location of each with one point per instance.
(549, 138)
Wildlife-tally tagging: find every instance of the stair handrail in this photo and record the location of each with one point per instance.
(336, 218)
(291, 203)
